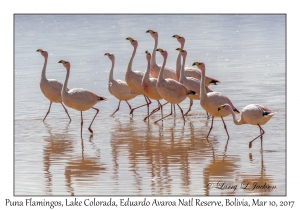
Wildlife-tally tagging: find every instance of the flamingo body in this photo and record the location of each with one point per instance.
(213, 101)
(121, 90)
(172, 91)
(80, 99)
(51, 88)
(134, 81)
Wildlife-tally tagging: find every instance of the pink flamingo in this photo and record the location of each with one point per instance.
(134, 78)
(171, 90)
(78, 98)
(119, 88)
(190, 82)
(149, 85)
(51, 88)
(253, 114)
(211, 101)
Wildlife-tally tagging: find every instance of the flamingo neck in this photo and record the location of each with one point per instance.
(43, 76)
(146, 75)
(161, 72)
(64, 88)
(178, 63)
(237, 122)
(203, 94)
(129, 67)
(153, 56)
(182, 74)
(111, 73)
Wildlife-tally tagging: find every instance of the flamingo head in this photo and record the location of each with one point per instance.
(148, 56)
(180, 39)
(110, 56)
(200, 65)
(43, 53)
(66, 64)
(163, 52)
(182, 52)
(154, 34)
(226, 107)
(133, 42)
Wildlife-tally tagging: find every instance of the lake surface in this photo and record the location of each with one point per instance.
(127, 156)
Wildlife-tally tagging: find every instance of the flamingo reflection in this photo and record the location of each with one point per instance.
(158, 158)
(83, 169)
(56, 149)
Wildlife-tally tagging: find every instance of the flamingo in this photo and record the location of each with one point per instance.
(253, 114)
(134, 78)
(78, 98)
(171, 90)
(190, 82)
(154, 68)
(149, 86)
(211, 101)
(119, 88)
(51, 88)
(189, 71)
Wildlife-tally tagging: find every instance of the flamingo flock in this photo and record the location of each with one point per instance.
(158, 82)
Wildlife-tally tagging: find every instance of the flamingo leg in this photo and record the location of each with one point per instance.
(261, 144)
(165, 116)
(147, 104)
(225, 127)
(48, 110)
(262, 132)
(261, 139)
(81, 124)
(162, 109)
(156, 109)
(207, 115)
(128, 104)
(180, 110)
(191, 104)
(97, 110)
(116, 109)
(66, 112)
(212, 123)
(159, 107)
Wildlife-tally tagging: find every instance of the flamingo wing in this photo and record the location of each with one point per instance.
(265, 110)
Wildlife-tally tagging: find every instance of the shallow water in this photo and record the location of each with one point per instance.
(127, 156)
